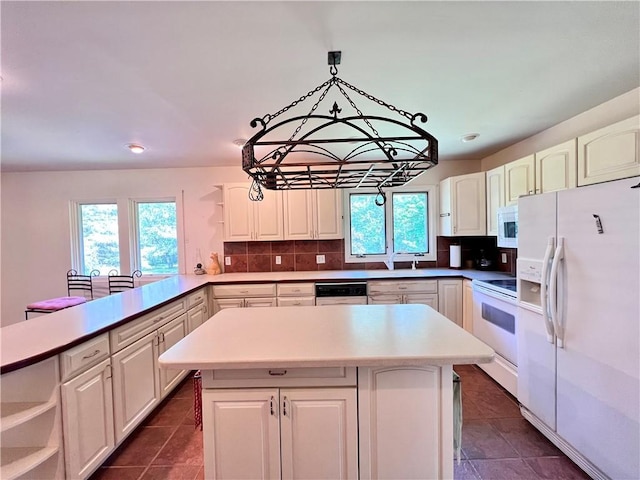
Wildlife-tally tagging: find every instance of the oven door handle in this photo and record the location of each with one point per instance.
(544, 292)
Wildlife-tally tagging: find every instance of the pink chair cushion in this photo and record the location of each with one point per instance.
(54, 304)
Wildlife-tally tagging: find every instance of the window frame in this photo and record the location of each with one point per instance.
(432, 214)
(77, 247)
(135, 257)
(127, 231)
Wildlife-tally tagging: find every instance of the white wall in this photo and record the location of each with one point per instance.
(619, 108)
(36, 238)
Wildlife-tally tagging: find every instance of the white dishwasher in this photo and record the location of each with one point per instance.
(341, 293)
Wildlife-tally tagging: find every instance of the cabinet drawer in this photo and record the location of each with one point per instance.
(410, 286)
(296, 301)
(196, 298)
(256, 290)
(78, 359)
(138, 328)
(296, 289)
(279, 377)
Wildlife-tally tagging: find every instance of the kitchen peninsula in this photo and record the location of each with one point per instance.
(361, 391)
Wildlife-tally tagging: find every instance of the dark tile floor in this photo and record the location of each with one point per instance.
(497, 443)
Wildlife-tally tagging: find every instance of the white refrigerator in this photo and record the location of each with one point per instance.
(578, 326)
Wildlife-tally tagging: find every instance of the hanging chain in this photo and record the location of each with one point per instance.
(376, 100)
(255, 192)
(268, 117)
(313, 109)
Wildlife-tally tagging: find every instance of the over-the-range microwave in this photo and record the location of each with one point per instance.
(508, 226)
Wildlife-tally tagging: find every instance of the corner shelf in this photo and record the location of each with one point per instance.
(17, 461)
(17, 413)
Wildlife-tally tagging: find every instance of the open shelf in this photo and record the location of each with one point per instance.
(16, 413)
(17, 461)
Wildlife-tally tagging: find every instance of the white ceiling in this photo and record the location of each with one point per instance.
(81, 80)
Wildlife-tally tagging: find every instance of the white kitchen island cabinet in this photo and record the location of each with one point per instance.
(287, 375)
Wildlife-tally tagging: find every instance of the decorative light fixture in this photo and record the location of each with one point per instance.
(135, 148)
(329, 151)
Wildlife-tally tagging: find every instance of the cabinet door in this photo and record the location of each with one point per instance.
(404, 413)
(296, 301)
(169, 335)
(260, 302)
(242, 438)
(319, 430)
(467, 306)
(469, 209)
(222, 303)
(135, 384)
(298, 214)
(450, 299)
(610, 153)
(238, 212)
(556, 168)
(385, 299)
(430, 299)
(87, 418)
(267, 216)
(519, 179)
(446, 207)
(495, 198)
(196, 316)
(328, 214)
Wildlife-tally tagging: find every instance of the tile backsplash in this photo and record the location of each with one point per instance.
(300, 255)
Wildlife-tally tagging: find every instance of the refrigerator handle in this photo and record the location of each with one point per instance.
(553, 292)
(544, 292)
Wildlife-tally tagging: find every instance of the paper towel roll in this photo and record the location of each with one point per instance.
(455, 256)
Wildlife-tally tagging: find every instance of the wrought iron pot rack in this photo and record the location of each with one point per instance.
(313, 158)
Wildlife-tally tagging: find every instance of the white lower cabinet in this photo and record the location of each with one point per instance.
(196, 316)
(400, 429)
(241, 296)
(168, 336)
(136, 388)
(450, 299)
(287, 433)
(467, 305)
(87, 406)
(386, 292)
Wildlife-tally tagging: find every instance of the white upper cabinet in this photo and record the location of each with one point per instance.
(462, 205)
(556, 168)
(312, 214)
(245, 220)
(495, 198)
(610, 153)
(519, 179)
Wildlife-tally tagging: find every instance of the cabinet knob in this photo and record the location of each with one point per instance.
(445, 214)
(284, 406)
(271, 405)
(277, 373)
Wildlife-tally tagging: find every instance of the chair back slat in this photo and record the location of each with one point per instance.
(82, 283)
(120, 283)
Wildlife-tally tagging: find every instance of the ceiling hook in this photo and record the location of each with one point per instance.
(333, 60)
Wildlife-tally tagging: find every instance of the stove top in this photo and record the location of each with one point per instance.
(507, 283)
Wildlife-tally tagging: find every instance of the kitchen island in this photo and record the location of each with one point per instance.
(361, 391)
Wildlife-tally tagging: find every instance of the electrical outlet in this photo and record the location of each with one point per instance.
(278, 260)
(319, 259)
(504, 258)
(227, 260)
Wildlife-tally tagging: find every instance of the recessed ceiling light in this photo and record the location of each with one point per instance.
(239, 142)
(469, 137)
(135, 148)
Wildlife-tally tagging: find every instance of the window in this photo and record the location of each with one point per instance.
(156, 237)
(403, 227)
(98, 245)
(146, 240)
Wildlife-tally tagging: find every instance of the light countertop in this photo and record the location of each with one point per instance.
(326, 336)
(27, 342)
